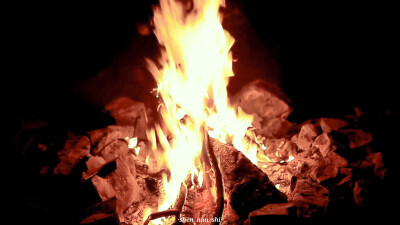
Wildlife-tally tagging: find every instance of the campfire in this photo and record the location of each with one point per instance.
(203, 156)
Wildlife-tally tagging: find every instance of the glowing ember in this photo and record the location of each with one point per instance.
(195, 67)
(132, 144)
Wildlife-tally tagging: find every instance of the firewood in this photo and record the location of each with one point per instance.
(125, 184)
(247, 187)
(188, 207)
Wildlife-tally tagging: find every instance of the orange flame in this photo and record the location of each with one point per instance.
(196, 65)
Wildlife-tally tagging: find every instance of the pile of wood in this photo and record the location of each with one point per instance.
(294, 175)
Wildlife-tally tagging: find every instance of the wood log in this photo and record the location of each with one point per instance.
(246, 186)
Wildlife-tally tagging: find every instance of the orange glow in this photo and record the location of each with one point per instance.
(196, 64)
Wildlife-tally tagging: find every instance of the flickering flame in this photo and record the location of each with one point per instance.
(132, 144)
(196, 64)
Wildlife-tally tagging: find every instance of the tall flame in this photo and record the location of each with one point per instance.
(196, 64)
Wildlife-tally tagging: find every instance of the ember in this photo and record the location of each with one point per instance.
(196, 154)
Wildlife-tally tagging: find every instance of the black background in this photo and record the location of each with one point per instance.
(333, 57)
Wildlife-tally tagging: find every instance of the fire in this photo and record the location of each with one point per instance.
(132, 144)
(196, 64)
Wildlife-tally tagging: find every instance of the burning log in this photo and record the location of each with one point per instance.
(218, 176)
(247, 187)
(188, 207)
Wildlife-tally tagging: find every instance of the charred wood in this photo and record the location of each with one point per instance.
(247, 187)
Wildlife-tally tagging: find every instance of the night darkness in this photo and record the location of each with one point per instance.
(327, 59)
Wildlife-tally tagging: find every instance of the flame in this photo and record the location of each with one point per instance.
(196, 64)
(146, 213)
(133, 144)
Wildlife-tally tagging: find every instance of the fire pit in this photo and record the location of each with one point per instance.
(194, 153)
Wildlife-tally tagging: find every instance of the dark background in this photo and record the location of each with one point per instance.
(328, 59)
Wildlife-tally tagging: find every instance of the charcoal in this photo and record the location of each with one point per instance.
(125, 185)
(293, 183)
(359, 192)
(114, 150)
(274, 128)
(271, 151)
(94, 164)
(331, 124)
(104, 187)
(107, 169)
(103, 137)
(269, 111)
(273, 209)
(327, 167)
(323, 172)
(74, 150)
(374, 161)
(125, 111)
(336, 159)
(305, 138)
(96, 135)
(357, 138)
(101, 211)
(277, 150)
(107, 206)
(345, 175)
(96, 217)
(377, 160)
(279, 173)
(256, 100)
(324, 143)
(310, 197)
